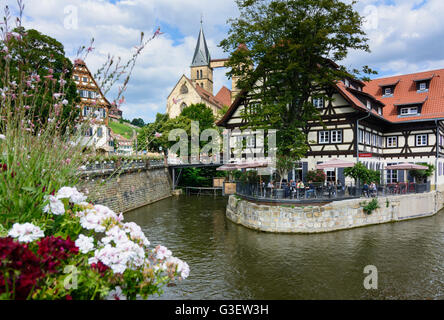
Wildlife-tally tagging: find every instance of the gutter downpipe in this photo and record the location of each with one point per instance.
(357, 137)
(437, 155)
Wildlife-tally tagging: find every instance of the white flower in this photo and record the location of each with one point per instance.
(57, 95)
(136, 233)
(182, 267)
(116, 294)
(26, 232)
(85, 244)
(2, 137)
(162, 252)
(55, 206)
(92, 221)
(74, 196)
(65, 102)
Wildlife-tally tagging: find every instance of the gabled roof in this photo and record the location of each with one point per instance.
(224, 96)
(406, 94)
(204, 94)
(201, 53)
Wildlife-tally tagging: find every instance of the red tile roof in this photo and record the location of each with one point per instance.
(224, 96)
(405, 93)
(204, 94)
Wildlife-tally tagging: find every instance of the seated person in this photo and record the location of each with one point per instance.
(373, 189)
(310, 189)
(365, 189)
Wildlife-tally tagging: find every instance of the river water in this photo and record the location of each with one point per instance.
(228, 261)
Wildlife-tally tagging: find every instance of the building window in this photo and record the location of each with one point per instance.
(409, 111)
(76, 78)
(331, 175)
(369, 104)
(201, 74)
(318, 103)
(367, 138)
(197, 76)
(184, 89)
(347, 83)
(422, 86)
(421, 140)
(392, 175)
(89, 132)
(336, 136)
(380, 111)
(183, 106)
(85, 79)
(86, 111)
(324, 137)
(388, 91)
(361, 136)
(99, 132)
(392, 142)
(251, 141)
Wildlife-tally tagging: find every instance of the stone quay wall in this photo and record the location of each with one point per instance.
(337, 215)
(129, 189)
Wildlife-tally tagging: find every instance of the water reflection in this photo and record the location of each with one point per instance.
(228, 261)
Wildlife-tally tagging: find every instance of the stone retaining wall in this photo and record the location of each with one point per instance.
(333, 216)
(128, 190)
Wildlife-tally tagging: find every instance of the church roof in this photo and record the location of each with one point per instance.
(201, 53)
(224, 96)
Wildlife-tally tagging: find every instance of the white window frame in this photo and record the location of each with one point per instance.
(408, 111)
(336, 136)
(421, 140)
(318, 103)
(392, 142)
(369, 104)
(422, 86)
(388, 91)
(324, 137)
(84, 79)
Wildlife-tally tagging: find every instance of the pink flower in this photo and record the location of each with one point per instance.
(51, 71)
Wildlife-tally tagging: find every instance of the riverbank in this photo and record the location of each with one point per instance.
(338, 215)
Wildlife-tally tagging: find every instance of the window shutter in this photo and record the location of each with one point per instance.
(304, 170)
(401, 176)
(341, 176)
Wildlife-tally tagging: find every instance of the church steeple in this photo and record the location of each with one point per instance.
(201, 71)
(201, 53)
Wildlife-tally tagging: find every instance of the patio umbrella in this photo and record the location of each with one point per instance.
(335, 163)
(406, 166)
(227, 167)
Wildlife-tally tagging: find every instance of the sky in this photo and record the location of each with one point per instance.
(405, 36)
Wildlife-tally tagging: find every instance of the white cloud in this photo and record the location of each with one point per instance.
(405, 36)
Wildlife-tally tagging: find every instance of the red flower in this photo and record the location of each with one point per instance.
(100, 267)
(53, 250)
(16, 257)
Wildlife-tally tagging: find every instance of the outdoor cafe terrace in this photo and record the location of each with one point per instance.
(319, 192)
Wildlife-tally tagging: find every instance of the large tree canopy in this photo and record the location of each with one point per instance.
(34, 56)
(147, 139)
(285, 49)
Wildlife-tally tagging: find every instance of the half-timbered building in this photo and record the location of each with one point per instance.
(94, 105)
(381, 122)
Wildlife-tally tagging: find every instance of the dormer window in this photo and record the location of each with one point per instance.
(422, 85)
(387, 91)
(369, 104)
(347, 83)
(409, 111)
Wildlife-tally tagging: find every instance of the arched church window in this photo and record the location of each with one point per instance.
(201, 74)
(183, 106)
(184, 89)
(197, 74)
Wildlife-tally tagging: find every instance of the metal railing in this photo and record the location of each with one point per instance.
(111, 166)
(319, 192)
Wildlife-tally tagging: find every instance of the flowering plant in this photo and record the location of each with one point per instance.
(84, 251)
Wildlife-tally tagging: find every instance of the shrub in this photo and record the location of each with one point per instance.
(371, 206)
(316, 176)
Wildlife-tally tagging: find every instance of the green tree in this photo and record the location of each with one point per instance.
(35, 54)
(291, 48)
(359, 172)
(422, 175)
(283, 165)
(138, 122)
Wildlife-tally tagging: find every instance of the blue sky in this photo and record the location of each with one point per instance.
(405, 37)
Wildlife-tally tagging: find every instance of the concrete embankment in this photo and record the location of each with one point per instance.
(337, 215)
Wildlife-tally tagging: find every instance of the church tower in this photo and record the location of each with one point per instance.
(201, 71)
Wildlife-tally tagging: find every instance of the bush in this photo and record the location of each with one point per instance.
(361, 173)
(371, 206)
(316, 176)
